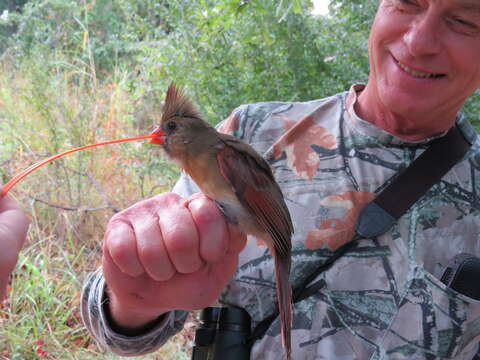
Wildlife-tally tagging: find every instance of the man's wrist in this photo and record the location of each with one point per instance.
(128, 321)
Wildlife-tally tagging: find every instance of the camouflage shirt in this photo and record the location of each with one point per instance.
(383, 299)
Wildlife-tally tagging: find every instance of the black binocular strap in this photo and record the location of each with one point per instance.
(379, 215)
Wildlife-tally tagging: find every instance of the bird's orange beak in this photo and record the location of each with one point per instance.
(159, 138)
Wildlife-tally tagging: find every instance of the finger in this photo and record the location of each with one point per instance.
(180, 237)
(7, 202)
(211, 227)
(120, 242)
(13, 224)
(151, 249)
(195, 196)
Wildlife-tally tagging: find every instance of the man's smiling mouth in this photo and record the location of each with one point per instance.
(418, 74)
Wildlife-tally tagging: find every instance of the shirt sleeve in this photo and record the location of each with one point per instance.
(96, 320)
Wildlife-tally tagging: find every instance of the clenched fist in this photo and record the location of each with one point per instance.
(167, 253)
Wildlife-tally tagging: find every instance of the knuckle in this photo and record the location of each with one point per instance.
(152, 256)
(180, 241)
(147, 252)
(167, 199)
(207, 214)
(119, 250)
(117, 219)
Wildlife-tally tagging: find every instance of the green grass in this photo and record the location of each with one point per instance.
(41, 318)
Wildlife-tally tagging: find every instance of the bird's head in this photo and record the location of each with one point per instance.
(181, 123)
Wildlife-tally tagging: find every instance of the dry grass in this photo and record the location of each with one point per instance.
(42, 112)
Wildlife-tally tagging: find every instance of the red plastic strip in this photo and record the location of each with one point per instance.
(17, 178)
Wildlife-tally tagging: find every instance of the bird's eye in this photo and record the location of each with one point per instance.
(171, 125)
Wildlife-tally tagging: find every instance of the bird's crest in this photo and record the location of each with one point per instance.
(177, 104)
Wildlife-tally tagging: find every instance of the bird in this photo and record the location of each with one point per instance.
(240, 182)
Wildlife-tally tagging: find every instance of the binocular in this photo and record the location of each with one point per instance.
(223, 333)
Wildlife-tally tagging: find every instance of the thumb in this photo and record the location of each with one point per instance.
(13, 224)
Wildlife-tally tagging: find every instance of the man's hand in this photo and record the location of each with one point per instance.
(167, 253)
(13, 231)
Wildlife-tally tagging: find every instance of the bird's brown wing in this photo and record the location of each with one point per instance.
(257, 190)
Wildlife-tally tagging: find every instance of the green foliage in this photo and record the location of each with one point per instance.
(224, 52)
(231, 52)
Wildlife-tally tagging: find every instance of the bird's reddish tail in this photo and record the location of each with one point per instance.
(284, 295)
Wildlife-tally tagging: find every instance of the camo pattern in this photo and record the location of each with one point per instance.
(383, 299)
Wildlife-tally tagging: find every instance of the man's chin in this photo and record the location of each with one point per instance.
(405, 104)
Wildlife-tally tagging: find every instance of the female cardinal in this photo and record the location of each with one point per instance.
(238, 179)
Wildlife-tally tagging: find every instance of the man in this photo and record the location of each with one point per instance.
(13, 231)
(383, 298)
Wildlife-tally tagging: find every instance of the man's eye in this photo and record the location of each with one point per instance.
(463, 22)
(407, 5)
(463, 26)
(409, 2)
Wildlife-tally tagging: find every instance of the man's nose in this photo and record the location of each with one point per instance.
(423, 35)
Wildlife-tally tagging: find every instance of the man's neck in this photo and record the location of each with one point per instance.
(411, 127)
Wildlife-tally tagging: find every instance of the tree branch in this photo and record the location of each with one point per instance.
(71, 208)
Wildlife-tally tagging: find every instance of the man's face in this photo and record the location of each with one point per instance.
(425, 54)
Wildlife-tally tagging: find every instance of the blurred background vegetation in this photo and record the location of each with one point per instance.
(76, 72)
